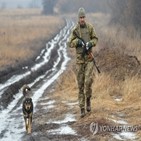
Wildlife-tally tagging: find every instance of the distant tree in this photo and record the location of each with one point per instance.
(127, 13)
(19, 7)
(48, 6)
(89, 5)
(63, 6)
(136, 19)
(3, 5)
(34, 4)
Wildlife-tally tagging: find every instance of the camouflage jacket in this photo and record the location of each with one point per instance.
(88, 34)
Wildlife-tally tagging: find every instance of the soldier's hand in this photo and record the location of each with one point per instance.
(89, 45)
(80, 43)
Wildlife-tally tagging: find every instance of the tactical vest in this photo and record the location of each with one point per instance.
(84, 33)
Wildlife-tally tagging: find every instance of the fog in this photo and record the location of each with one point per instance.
(19, 3)
(124, 12)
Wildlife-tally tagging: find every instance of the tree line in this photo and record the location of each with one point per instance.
(124, 12)
(127, 13)
(67, 6)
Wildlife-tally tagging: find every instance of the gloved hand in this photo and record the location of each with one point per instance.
(80, 43)
(89, 45)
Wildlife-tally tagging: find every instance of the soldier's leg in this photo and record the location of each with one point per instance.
(80, 79)
(88, 84)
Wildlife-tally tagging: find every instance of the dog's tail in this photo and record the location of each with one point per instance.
(25, 90)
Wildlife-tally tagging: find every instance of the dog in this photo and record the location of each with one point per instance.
(27, 109)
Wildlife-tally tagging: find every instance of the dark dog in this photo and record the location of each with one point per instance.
(27, 110)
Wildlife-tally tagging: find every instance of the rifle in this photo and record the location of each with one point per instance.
(85, 51)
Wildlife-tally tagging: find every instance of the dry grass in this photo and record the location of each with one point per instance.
(19, 28)
(67, 86)
(115, 36)
(105, 92)
(110, 96)
(127, 41)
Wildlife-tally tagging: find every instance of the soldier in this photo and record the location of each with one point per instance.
(84, 61)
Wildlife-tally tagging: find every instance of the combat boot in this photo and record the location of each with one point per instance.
(82, 112)
(88, 105)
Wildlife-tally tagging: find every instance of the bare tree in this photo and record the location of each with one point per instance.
(63, 6)
(48, 6)
(127, 13)
(3, 5)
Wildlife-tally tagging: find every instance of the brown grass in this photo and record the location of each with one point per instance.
(105, 88)
(116, 36)
(19, 28)
(67, 86)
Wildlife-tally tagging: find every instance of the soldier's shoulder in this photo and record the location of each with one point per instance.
(75, 27)
(89, 25)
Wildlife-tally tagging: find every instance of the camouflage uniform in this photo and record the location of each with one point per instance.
(84, 65)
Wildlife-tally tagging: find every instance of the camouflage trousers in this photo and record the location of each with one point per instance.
(85, 80)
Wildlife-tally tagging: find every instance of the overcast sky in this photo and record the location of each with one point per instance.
(22, 3)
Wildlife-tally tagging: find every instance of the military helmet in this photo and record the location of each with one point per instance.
(81, 12)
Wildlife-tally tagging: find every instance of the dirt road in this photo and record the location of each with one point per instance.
(56, 113)
(49, 65)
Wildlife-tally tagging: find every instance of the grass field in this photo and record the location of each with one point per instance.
(22, 32)
(116, 36)
(20, 29)
(111, 97)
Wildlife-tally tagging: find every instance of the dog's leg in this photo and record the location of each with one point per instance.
(30, 123)
(29, 126)
(25, 120)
